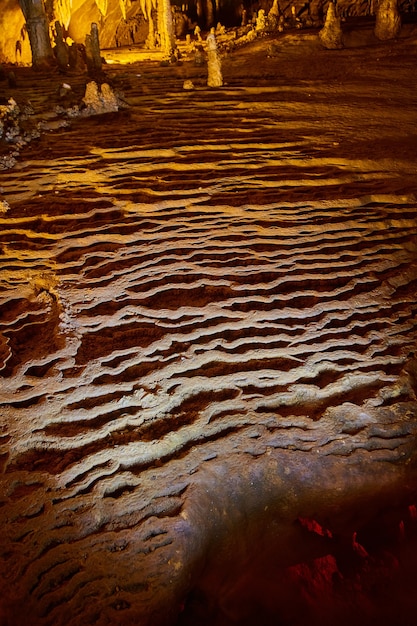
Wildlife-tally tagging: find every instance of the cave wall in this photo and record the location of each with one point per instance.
(113, 29)
(13, 30)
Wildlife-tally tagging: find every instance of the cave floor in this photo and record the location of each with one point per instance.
(208, 335)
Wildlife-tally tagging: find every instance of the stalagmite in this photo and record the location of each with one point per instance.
(75, 57)
(199, 57)
(92, 49)
(388, 20)
(215, 78)
(260, 21)
(61, 47)
(165, 26)
(273, 16)
(147, 6)
(331, 36)
(197, 33)
(101, 100)
(38, 31)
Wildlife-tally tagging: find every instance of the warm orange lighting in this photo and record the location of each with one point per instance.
(124, 56)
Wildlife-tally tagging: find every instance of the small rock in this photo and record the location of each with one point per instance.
(64, 90)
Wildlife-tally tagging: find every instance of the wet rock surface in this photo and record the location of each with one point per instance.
(208, 320)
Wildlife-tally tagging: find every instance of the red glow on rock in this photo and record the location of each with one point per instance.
(359, 549)
(315, 579)
(401, 527)
(413, 512)
(314, 527)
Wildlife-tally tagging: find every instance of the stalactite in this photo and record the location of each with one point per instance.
(124, 5)
(62, 10)
(102, 6)
(146, 7)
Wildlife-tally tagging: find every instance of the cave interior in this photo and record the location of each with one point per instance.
(208, 370)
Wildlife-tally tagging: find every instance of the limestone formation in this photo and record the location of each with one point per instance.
(273, 16)
(75, 57)
(199, 56)
(99, 100)
(166, 27)
(215, 78)
(124, 22)
(4, 206)
(102, 6)
(63, 11)
(124, 4)
(9, 116)
(388, 20)
(331, 36)
(38, 30)
(261, 21)
(92, 49)
(208, 371)
(61, 47)
(147, 7)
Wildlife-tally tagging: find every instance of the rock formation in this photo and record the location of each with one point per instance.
(99, 100)
(166, 27)
(122, 22)
(387, 20)
(215, 78)
(260, 21)
(92, 49)
(37, 26)
(331, 35)
(62, 10)
(61, 49)
(273, 16)
(208, 376)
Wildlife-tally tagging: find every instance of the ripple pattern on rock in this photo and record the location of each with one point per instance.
(175, 291)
